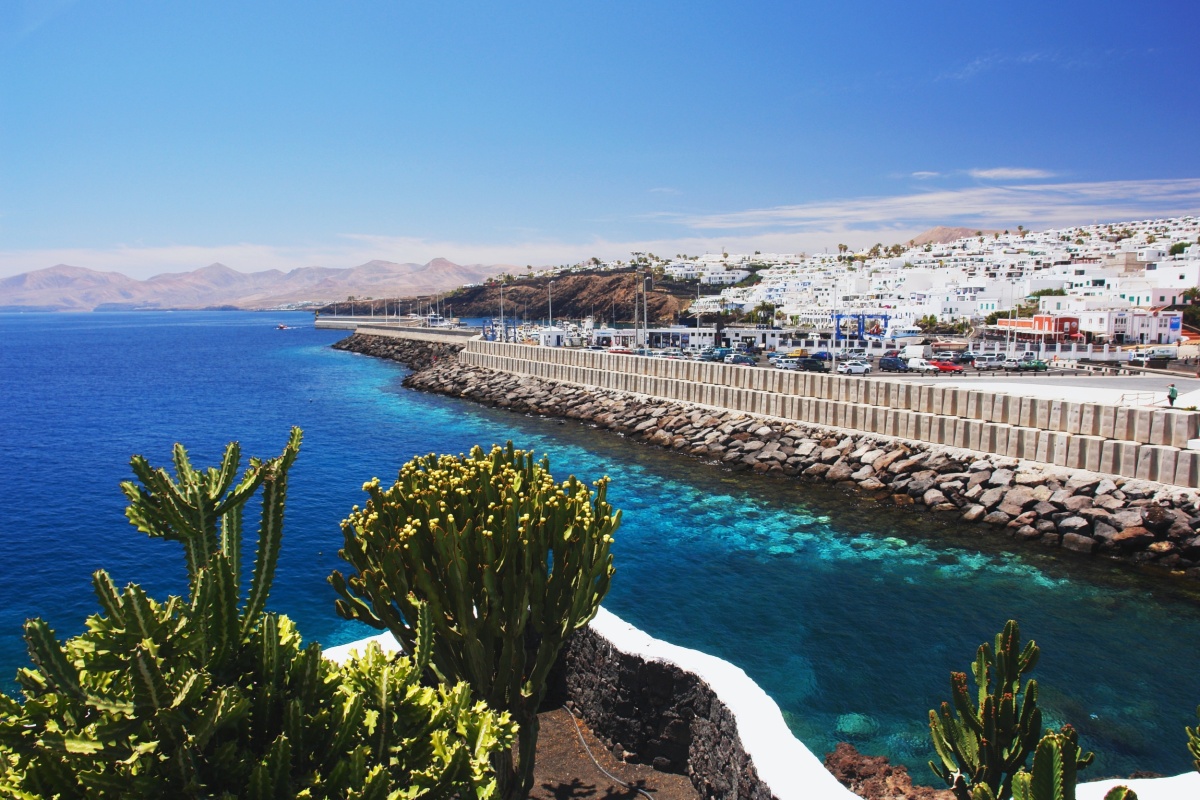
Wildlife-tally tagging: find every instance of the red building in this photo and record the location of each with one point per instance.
(1044, 327)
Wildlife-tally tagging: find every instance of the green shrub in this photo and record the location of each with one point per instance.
(210, 696)
(508, 562)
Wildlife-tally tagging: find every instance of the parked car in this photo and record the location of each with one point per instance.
(965, 358)
(944, 355)
(859, 354)
(1010, 363)
(921, 365)
(783, 362)
(855, 367)
(990, 361)
(813, 365)
(1034, 365)
(1149, 360)
(946, 366)
(741, 358)
(892, 364)
(715, 353)
(891, 354)
(824, 355)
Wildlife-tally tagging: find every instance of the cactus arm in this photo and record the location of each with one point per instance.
(50, 658)
(106, 593)
(274, 489)
(150, 690)
(222, 478)
(1022, 786)
(1049, 767)
(1193, 735)
(231, 542)
(1121, 793)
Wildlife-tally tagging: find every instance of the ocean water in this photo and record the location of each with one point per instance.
(836, 605)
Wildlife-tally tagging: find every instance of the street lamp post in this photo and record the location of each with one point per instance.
(550, 295)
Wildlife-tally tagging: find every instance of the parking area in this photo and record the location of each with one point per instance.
(1146, 389)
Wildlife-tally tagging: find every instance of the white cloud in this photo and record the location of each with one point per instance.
(923, 175)
(991, 61)
(1010, 174)
(1036, 206)
(805, 227)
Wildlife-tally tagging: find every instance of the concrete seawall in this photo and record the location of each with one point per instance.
(1142, 443)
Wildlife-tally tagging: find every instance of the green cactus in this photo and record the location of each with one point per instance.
(509, 563)
(1121, 793)
(210, 697)
(1056, 763)
(1193, 735)
(986, 741)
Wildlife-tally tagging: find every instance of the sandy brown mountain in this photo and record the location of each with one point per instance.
(69, 288)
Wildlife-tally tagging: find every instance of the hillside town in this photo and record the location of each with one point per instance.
(1103, 284)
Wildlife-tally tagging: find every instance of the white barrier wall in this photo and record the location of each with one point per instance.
(1144, 443)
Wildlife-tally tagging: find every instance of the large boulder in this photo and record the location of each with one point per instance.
(1073, 525)
(1129, 518)
(1077, 502)
(1078, 543)
(839, 472)
(1001, 477)
(1157, 519)
(887, 459)
(1131, 539)
(992, 497)
(1016, 500)
(975, 513)
(933, 497)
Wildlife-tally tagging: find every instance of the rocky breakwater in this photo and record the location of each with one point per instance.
(412, 353)
(1035, 504)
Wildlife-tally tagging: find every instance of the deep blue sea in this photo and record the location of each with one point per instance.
(835, 605)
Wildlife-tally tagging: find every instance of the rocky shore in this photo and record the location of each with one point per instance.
(1036, 504)
(415, 355)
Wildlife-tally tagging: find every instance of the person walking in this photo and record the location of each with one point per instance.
(1172, 393)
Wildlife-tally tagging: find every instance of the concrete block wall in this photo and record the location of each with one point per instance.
(1132, 442)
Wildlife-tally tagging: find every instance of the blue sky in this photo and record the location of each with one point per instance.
(146, 136)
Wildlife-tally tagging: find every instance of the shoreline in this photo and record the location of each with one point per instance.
(1149, 525)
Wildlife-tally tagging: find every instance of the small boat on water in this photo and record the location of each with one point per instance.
(282, 327)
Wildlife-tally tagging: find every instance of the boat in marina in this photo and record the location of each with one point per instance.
(905, 334)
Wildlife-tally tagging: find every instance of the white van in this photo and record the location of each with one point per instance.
(921, 365)
(989, 361)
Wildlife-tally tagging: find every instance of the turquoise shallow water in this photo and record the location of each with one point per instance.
(834, 605)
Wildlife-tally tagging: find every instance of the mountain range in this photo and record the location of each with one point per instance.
(67, 288)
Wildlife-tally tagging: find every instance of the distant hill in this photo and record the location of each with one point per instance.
(606, 296)
(67, 288)
(943, 235)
